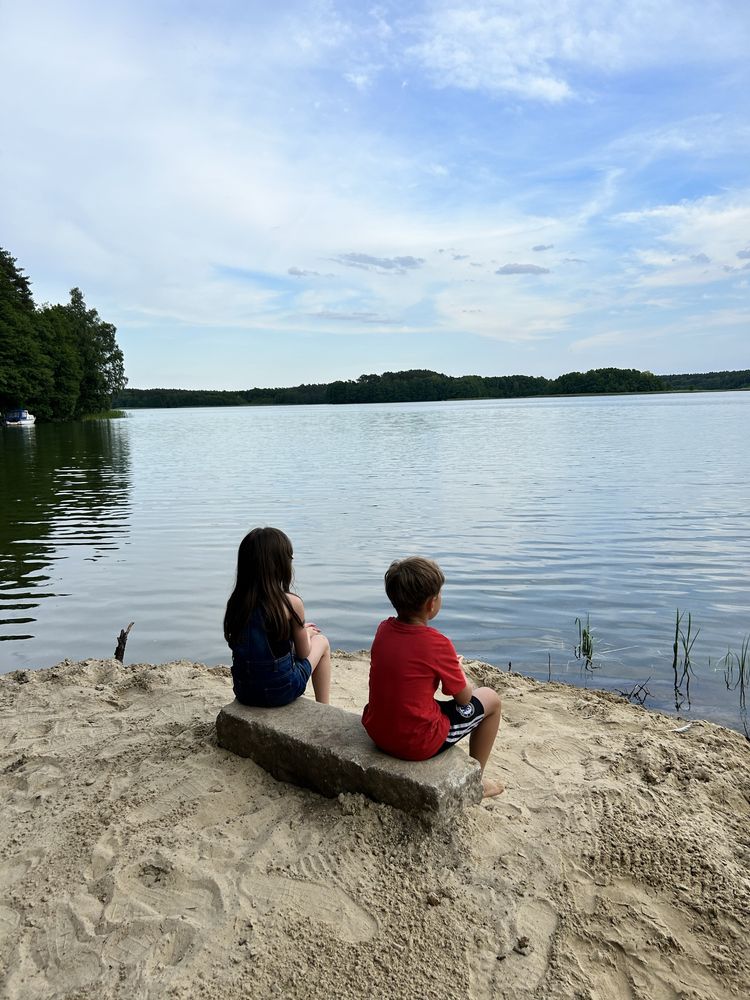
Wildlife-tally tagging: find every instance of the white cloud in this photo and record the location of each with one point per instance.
(301, 272)
(693, 241)
(611, 338)
(707, 137)
(365, 261)
(522, 269)
(359, 80)
(508, 314)
(474, 48)
(348, 317)
(720, 321)
(532, 50)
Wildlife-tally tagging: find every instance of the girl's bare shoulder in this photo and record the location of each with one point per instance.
(296, 603)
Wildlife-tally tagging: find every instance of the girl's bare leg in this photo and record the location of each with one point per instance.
(482, 738)
(320, 660)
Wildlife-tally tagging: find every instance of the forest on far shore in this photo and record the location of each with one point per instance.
(59, 361)
(425, 386)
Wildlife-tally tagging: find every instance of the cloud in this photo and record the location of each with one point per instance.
(395, 265)
(724, 320)
(704, 137)
(460, 256)
(349, 317)
(359, 80)
(743, 254)
(678, 237)
(543, 246)
(536, 50)
(299, 272)
(513, 314)
(522, 269)
(573, 260)
(481, 47)
(610, 339)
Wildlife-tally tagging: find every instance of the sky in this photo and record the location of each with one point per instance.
(269, 194)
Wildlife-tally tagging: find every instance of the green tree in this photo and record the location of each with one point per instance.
(101, 360)
(58, 339)
(23, 364)
(59, 361)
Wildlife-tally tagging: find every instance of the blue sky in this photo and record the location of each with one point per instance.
(267, 194)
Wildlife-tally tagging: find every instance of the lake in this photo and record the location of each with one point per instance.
(539, 511)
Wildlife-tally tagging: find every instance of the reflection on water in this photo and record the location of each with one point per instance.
(64, 494)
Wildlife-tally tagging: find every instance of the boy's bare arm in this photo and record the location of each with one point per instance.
(464, 695)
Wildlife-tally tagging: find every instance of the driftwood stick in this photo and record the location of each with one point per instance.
(122, 639)
(639, 693)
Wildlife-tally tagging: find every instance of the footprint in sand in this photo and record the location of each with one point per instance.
(155, 888)
(19, 866)
(147, 943)
(61, 950)
(494, 933)
(311, 901)
(9, 922)
(156, 912)
(191, 791)
(36, 776)
(556, 759)
(23, 730)
(641, 945)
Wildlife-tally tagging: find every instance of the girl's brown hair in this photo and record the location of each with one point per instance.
(264, 577)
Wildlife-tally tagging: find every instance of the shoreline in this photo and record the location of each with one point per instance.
(128, 407)
(139, 859)
(682, 717)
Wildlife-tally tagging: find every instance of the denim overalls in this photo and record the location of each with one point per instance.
(260, 677)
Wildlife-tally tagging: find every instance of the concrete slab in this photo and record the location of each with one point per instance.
(325, 748)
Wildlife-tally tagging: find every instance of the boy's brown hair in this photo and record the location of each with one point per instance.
(410, 583)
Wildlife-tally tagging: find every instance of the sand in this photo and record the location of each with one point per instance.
(140, 860)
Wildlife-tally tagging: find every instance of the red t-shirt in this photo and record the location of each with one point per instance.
(407, 663)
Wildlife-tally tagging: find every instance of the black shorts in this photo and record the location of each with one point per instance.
(463, 719)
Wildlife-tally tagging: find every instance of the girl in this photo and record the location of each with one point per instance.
(274, 651)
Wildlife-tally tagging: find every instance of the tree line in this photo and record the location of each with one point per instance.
(422, 385)
(417, 385)
(59, 361)
(708, 381)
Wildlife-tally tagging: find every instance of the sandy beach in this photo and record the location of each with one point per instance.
(140, 860)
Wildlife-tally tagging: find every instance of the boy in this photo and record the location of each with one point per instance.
(409, 658)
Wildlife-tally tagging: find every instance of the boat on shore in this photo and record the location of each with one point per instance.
(19, 418)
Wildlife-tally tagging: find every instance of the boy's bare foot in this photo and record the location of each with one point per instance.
(491, 788)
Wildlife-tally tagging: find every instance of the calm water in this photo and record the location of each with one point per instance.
(539, 511)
